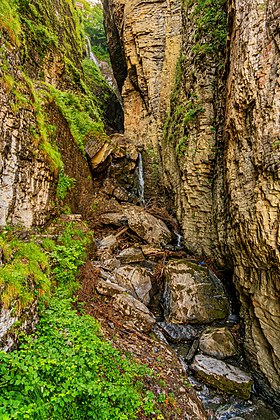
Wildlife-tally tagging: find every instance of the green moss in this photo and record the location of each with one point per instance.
(210, 20)
(9, 21)
(82, 116)
(24, 277)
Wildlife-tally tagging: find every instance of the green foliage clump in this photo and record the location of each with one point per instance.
(65, 183)
(68, 372)
(94, 28)
(69, 254)
(82, 116)
(25, 274)
(9, 20)
(210, 20)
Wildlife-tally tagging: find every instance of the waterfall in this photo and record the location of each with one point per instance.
(141, 182)
(179, 240)
(90, 53)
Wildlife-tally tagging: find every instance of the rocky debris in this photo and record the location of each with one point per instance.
(67, 218)
(176, 333)
(106, 288)
(135, 313)
(131, 255)
(110, 243)
(149, 228)
(136, 280)
(218, 343)
(193, 294)
(223, 376)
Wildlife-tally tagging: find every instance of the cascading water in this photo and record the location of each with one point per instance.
(179, 244)
(90, 53)
(140, 180)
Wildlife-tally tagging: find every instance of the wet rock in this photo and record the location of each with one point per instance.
(223, 376)
(136, 314)
(192, 351)
(136, 280)
(106, 288)
(218, 342)
(176, 333)
(149, 228)
(193, 294)
(131, 255)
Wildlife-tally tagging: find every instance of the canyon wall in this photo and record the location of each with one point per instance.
(52, 102)
(216, 130)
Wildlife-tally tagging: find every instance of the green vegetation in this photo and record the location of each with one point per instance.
(81, 114)
(9, 22)
(94, 28)
(24, 276)
(67, 370)
(65, 183)
(210, 20)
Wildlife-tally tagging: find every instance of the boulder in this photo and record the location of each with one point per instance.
(177, 333)
(223, 376)
(131, 255)
(136, 280)
(106, 288)
(152, 230)
(218, 342)
(135, 313)
(193, 294)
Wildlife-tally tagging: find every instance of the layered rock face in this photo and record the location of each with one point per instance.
(41, 55)
(252, 179)
(147, 36)
(219, 148)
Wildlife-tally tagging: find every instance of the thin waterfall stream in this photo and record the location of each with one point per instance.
(140, 180)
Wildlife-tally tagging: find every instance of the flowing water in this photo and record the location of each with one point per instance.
(90, 53)
(140, 180)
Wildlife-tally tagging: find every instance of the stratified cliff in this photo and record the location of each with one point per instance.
(214, 121)
(49, 108)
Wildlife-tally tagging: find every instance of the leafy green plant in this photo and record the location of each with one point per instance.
(65, 183)
(9, 20)
(69, 372)
(25, 274)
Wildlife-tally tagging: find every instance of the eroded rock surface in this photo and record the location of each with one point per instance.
(221, 375)
(146, 226)
(193, 294)
(218, 343)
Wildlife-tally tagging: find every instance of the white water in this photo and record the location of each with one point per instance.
(141, 181)
(179, 240)
(90, 53)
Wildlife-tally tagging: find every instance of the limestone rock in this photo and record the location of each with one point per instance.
(131, 255)
(152, 230)
(136, 280)
(110, 243)
(218, 343)
(106, 288)
(193, 294)
(221, 375)
(177, 333)
(137, 315)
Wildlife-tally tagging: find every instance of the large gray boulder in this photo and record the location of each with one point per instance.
(218, 342)
(223, 376)
(193, 294)
(136, 280)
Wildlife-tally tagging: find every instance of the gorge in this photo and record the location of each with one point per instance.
(192, 148)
